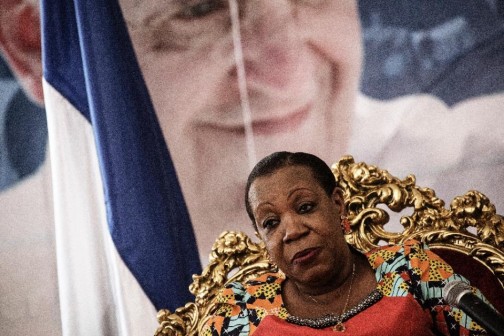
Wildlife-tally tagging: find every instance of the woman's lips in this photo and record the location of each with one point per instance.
(306, 256)
(270, 126)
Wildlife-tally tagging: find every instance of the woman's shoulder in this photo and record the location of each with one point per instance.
(397, 254)
(264, 287)
(410, 267)
(242, 306)
(411, 262)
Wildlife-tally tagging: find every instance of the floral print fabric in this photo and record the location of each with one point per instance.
(409, 270)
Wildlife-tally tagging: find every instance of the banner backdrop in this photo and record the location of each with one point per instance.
(433, 91)
(411, 87)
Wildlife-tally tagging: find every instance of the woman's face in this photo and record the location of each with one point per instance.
(299, 223)
(302, 61)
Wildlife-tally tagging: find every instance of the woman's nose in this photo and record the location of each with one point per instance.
(294, 227)
(270, 43)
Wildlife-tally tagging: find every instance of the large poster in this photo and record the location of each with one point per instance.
(433, 91)
(411, 87)
(414, 88)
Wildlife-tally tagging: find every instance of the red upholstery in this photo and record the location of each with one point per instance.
(479, 276)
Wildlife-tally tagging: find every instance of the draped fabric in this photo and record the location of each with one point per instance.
(125, 244)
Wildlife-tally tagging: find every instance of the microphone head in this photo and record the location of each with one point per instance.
(454, 290)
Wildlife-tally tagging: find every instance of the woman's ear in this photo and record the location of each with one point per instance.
(20, 43)
(337, 197)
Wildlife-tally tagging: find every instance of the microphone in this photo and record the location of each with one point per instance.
(458, 293)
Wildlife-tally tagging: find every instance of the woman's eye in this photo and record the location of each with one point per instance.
(201, 9)
(305, 208)
(270, 223)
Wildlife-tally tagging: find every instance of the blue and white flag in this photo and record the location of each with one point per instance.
(125, 245)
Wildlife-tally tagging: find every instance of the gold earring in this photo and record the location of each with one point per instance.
(272, 263)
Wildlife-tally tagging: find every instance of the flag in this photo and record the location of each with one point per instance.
(125, 245)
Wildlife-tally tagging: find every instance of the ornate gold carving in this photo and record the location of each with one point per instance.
(234, 257)
(470, 226)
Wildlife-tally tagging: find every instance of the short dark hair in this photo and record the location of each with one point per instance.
(273, 162)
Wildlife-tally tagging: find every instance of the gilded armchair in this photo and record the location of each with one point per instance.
(469, 235)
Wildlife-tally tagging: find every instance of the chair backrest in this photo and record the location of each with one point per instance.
(469, 235)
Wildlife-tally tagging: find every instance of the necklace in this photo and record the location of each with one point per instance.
(337, 320)
(348, 295)
(339, 323)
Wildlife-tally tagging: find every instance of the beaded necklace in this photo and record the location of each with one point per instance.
(336, 321)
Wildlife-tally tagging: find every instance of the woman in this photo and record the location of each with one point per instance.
(325, 286)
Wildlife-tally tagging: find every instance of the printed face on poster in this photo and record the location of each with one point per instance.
(302, 64)
(414, 88)
(409, 93)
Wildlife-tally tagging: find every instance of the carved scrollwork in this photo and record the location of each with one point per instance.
(182, 322)
(470, 226)
(475, 210)
(366, 186)
(232, 251)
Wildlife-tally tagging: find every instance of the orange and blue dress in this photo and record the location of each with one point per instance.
(410, 279)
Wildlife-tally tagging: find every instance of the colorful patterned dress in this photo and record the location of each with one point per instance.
(409, 276)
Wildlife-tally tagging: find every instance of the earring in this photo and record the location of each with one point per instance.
(273, 265)
(345, 224)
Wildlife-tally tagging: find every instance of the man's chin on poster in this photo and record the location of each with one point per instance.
(302, 62)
